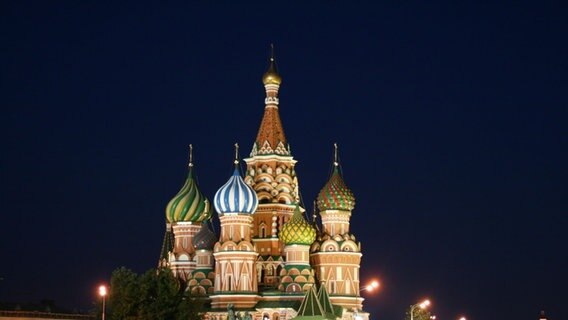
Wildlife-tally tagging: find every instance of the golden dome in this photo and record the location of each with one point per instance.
(271, 76)
(297, 230)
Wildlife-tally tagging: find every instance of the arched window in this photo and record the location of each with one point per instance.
(293, 287)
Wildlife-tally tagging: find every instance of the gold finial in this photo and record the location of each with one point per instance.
(335, 161)
(236, 153)
(190, 155)
(271, 76)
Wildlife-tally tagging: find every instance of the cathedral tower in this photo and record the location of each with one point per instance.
(271, 173)
(184, 214)
(202, 277)
(336, 255)
(297, 235)
(235, 255)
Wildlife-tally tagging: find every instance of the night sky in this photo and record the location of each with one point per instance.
(451, 121)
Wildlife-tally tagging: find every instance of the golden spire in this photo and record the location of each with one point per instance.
(335, 157)
(236, 153)
(190, 155)
(271, 76)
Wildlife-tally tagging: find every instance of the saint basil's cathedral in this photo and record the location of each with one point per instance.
(268, 260)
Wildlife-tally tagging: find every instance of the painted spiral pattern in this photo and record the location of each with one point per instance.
(189, 204)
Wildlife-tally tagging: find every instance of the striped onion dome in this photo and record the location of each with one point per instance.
(189, 204)
(335, 195)
(204, 239)
(297, 230)
(235, 196)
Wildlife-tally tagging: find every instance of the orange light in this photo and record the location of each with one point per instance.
(375, 284)
(424, 304)
(102, 291)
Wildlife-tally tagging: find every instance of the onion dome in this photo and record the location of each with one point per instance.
(271, 76)
(204, 239)
(335, 195)
(189, 204)
(235, 196)
(297, 230)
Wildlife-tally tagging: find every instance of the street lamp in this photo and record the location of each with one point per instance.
(371, 286)
(462, 318)
(421, 305)
(103, 293)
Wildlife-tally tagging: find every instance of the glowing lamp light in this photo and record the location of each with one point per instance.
(424, 304)
(421, 305)
(102, 291)
(371, 286)
(462, 318)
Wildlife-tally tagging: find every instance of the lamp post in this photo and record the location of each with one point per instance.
(421, 305)
(103, 293)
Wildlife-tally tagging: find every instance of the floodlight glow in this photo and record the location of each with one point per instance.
(102, 291)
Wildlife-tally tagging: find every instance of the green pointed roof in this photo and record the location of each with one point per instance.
(323, 298)
(167, 244)
(297, 230)
(189, 204)
(335, 195)
(311, 306)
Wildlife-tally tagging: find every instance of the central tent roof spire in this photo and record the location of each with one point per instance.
(271, 138)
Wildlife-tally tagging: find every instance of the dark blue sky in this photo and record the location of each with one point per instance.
(451, 120)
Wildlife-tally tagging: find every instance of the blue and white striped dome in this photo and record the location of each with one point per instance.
(235, 196)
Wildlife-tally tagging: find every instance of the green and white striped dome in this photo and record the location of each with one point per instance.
(189, 204)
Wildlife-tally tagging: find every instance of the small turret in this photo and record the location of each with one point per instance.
(335, 195)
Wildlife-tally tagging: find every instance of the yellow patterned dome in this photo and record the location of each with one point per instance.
(297, 230)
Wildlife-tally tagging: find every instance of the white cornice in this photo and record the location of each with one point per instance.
(268, 157)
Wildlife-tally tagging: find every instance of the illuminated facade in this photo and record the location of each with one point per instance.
(268, 260)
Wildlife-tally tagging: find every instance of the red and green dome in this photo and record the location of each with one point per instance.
(189, 204)
(297, 230)
(335, 195)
